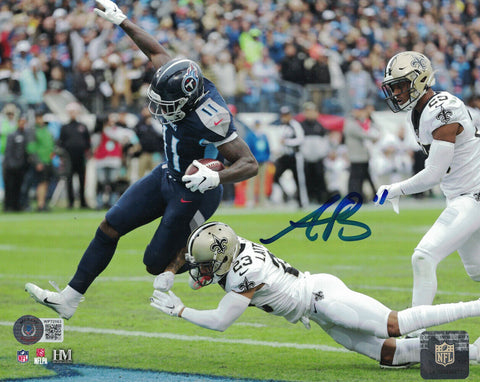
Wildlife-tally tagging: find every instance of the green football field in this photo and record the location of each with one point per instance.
(116, 327)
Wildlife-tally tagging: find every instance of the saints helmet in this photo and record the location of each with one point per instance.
(211, 248)
(408, 66)
(175, 89)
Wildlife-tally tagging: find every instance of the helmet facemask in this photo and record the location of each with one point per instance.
(171, 111)
(204, 272)
(393, 99)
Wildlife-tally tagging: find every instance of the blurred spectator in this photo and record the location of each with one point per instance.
(150, 137)
(314, 149)
(207, 64)
(225, 74)
(40, 150)
(292, 66)
(140, 74)
(257, 141)
(7, 79)
(87, 42)
(248, 93)
(359, 131)
(360, 85)
(33, 84)
(317, 70)
(75, 140)
(251, 45)
(392, 157)
(265, 73)
(56, 81)
(84, 83)
(291, 159)
(21, 56)
(108, 156)
(8, 124)
(15, 165)
(119, 82)
(336, 165)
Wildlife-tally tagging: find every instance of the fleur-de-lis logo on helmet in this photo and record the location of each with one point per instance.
(190, 80)
(219, 245)
(419, 61)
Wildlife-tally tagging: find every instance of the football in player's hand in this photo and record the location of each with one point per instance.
(212, 164)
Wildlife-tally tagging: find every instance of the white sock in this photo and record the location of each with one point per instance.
(472, 352)
(425, 316)
(407, 350)
(424, 278)
(72, 295)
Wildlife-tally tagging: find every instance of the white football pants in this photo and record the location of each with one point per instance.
(456, 229)
(359, 322)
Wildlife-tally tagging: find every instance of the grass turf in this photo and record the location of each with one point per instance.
(41, 247)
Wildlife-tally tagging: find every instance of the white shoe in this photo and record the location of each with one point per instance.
(402, 366)
(54, 300)
(415, 334)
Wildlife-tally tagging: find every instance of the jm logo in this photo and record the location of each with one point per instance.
(62, 356)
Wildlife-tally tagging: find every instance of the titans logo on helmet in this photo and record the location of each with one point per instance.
(190, 80)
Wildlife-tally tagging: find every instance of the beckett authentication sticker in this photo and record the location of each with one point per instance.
(28, 330)
(53, 330)
(444, 355)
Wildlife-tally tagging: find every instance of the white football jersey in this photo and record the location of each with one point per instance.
(463, 177)
(286, 291)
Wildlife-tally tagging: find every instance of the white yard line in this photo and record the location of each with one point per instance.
(181, 337)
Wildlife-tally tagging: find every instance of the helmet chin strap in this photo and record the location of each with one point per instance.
(412, 104)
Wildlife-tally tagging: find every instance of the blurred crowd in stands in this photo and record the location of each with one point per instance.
(314, 57)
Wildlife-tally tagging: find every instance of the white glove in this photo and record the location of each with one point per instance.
(111, 13)
(164, 281)
(167, 303)
(391, 193)
(306, 322)
(203, 180)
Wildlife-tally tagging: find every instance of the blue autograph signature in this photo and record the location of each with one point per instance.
(342, 217)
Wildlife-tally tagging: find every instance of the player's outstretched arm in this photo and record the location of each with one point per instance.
(146, 43)
(230, 308)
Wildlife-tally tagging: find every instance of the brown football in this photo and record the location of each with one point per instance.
(212, 164)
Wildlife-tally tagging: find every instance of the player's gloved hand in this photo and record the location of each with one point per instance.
(167, 303)
(391, 193)
(111, 12)
(306, 322)
(164, 281)
(203, 180)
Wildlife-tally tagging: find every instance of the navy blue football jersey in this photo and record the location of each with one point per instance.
(199, 133)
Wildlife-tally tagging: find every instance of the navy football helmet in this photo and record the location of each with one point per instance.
(175, 89)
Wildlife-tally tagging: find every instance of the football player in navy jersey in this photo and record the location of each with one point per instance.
(197, 124)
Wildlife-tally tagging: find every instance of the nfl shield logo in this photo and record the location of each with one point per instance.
(445, 354)
(22, 356)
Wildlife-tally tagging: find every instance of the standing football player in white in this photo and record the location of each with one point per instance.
(444, 128)
(252, 275)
